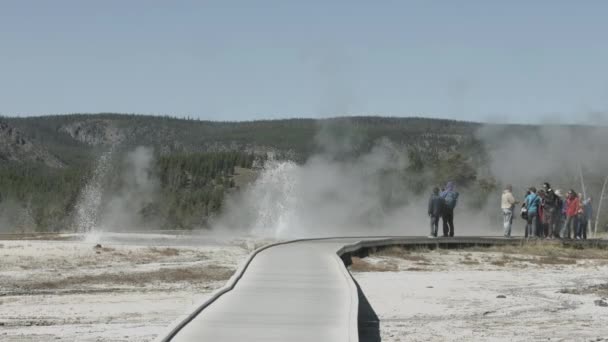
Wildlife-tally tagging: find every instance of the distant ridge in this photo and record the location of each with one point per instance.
(15, 147)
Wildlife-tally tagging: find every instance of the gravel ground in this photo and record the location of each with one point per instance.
(486, 296)
(78, 291)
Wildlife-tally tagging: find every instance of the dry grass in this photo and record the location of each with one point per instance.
(535, 254)
(542, 254)
(570, 291)
(37, 236)
(553, 261)
(501, 262)
(163, 275)
(470, 262)
(403, 253)
(360, 265)
(416, 269)
(168, 252)
(599, 290)
(104, 255)
(548, 250)
(541, 261)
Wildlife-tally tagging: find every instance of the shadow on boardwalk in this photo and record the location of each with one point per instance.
(368, 322)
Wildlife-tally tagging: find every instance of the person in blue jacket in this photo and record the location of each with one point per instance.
(532, 204)
(450, 199)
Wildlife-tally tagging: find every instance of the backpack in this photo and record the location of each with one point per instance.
(524, 213)
(450, 199)
(551, 199)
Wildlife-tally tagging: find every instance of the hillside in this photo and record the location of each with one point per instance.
(54, 169)
(298, 137)
(15, 147)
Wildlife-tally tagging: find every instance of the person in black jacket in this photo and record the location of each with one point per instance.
(550, 210)
(435, 211)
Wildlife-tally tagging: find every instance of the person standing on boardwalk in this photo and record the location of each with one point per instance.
(540, 224)
(572, 209)
(560, 212)
(435, 211)
(588, 217)
(550, 208)
(524, 212)
(508, 203)
(532, 204)
(584, 214)
(450, 198)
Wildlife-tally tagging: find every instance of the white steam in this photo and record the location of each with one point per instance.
(139, 188)
(88, 207)
(529, 156)
(273, 199)
(327, 197)
(99, 210)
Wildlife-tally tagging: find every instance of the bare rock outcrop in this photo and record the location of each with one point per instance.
(14, 146)
(94, 132)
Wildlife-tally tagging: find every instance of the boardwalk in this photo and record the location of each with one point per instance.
(301, 291)
(293, 292)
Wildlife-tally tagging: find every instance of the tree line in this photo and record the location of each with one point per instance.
(192, 187)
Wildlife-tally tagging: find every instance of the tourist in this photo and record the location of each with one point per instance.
(532, 206)
(508, 203)
(572, 207)
(579, 217)
(560, 212)
(540, 223)
(450, 198)
(550, 205)
(584, 217)
(524, 213)
(435, 211)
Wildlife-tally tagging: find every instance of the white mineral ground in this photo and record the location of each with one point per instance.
(72, 291)
(454, 295)
(129, 291)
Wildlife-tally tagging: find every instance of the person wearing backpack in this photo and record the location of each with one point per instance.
(450, 198)
(532, 204)
(550, 206)
(435, 211)
(524, 213)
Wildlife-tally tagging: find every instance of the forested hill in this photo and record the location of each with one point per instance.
(70, 137)
(65, 172)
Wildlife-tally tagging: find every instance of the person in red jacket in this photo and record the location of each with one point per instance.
(572, 209)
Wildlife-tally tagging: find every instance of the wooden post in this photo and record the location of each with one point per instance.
(580, 171)
(599, 207)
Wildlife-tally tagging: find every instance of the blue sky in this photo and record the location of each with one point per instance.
(511, 61)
